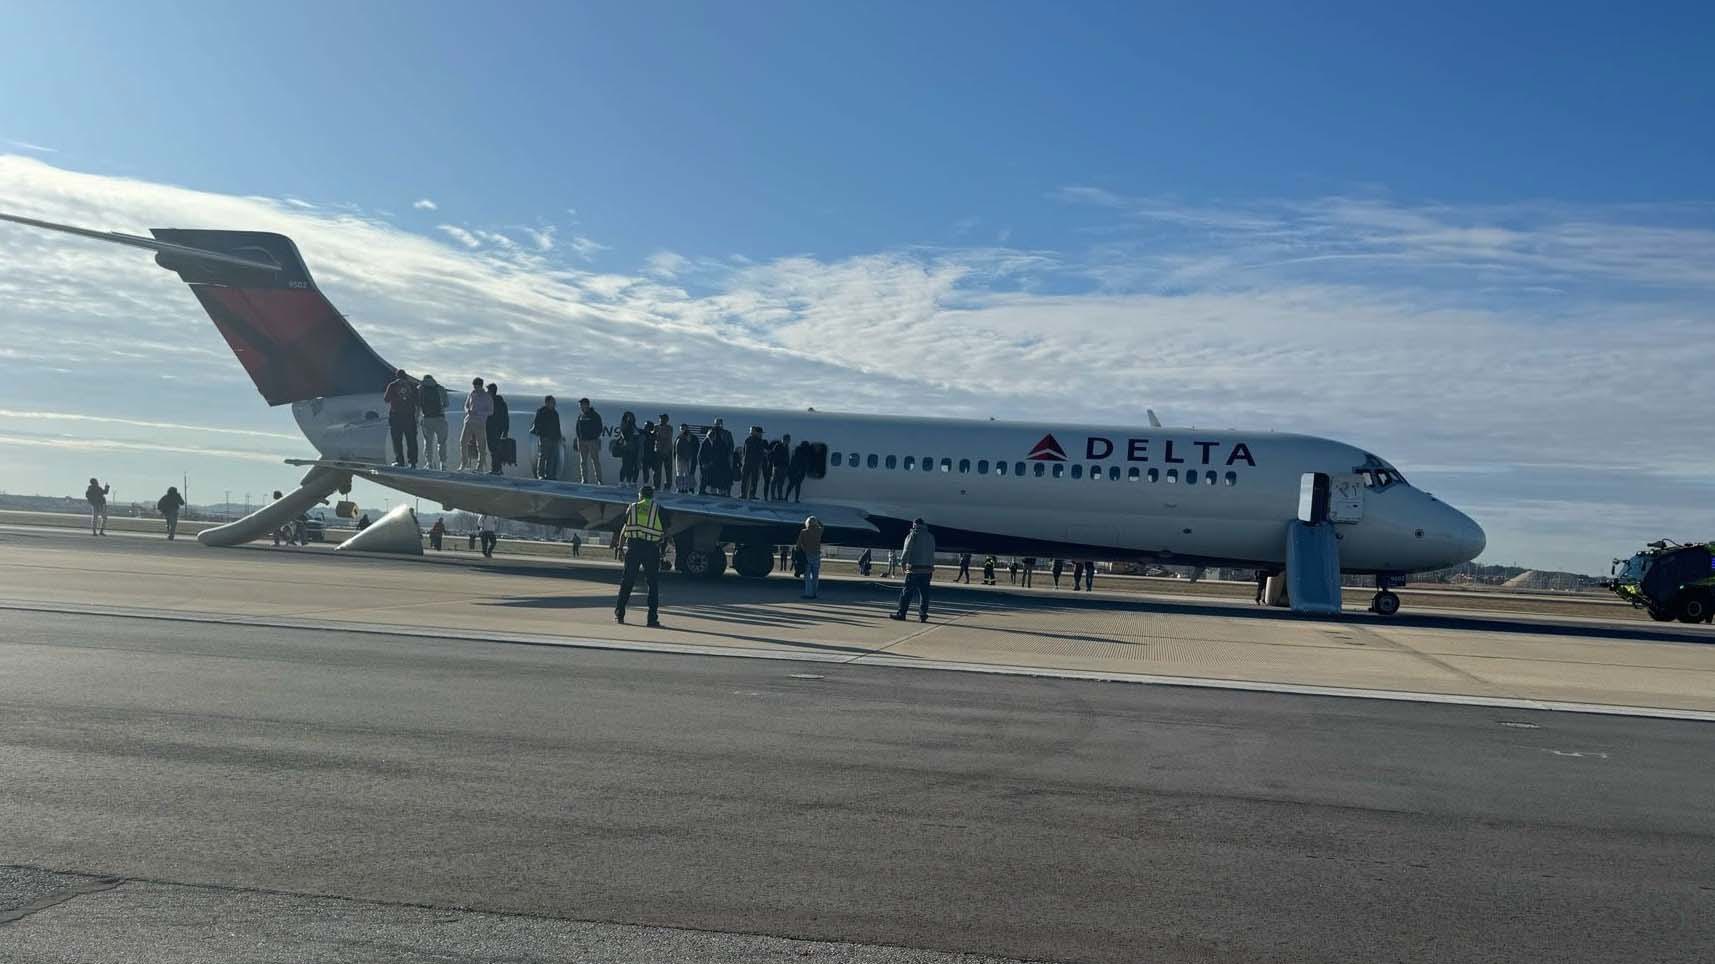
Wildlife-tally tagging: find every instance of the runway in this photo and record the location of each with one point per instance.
(184, 789)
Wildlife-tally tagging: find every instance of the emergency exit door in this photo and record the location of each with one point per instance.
(1313, 498)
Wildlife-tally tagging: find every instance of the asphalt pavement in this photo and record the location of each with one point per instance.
(187, 791)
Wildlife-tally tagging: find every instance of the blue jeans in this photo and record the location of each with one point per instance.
(916, 584)
(812, 574)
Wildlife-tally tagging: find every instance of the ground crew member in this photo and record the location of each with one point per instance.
(645, 530)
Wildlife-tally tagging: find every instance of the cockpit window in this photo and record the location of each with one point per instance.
(1377, 474)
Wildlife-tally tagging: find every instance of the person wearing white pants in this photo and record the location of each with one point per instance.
(473, 439)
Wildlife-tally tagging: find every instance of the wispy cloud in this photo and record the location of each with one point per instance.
(38, 148)
(460, 235)
(1567, 343)
(425, 204)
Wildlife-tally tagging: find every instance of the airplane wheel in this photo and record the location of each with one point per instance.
(1693, 607)
(705, 564)
(753, 561)
(1385, 603)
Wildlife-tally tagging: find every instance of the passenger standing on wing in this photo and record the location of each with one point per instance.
(546, 427)
(796, 469)
(401, 399)
(810, 544)
(663, 453)
(755, 453)
(768, 470)
(964, 575)
(780, 458)
(97, 496)
(685, 459)
(645, 530)
(169, 506)
(432, 409)
(645, 451)
(588, 430)
(499, 429)
(919, 553)
(625, 448)
(715, 455)
(473, 449)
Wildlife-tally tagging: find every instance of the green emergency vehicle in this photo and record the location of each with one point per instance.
(1669, 580)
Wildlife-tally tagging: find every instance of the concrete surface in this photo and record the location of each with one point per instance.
(198, 791)
(1498, 657)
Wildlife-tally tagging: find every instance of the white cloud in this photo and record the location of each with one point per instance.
(1567, 344)
(425, 204)
(459, 234)
(38, 148)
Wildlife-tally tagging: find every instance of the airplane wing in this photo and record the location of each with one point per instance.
(575, 505)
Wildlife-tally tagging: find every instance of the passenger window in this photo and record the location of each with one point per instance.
(982, 466)
(1190, 476)
(893, 461)
(1000, 468)
(1232, 478)
(928, 463)
(836, 459)
(1131, 474)
(852, 459)
(1172, 475)
(874, 460)
(1155, 475)
(1040, 468)
(818, 459)
(946, 465)
(1114, 473)
(910, 462)
(1077, 471)
(1059, 469)
(1209, 477)
(964, 466)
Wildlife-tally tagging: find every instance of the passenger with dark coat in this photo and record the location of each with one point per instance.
(96, 495)
(663, 453)
(779, 457)
(169, 506)
(546, 427)
(499, 427)
(645, 451)
(588, 431)
(401, 399)
(437, 532)
(1056, 569)
(1089, 575)
(685, 459)
(625, 442)
(796, 469)
(432, 409)
(964, 575)
(755, 453)
(716, 457)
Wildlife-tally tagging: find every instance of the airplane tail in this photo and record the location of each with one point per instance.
(287, 335)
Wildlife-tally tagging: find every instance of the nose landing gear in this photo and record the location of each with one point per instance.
(1384, 603)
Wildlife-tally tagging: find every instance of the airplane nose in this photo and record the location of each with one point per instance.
(1467, 536)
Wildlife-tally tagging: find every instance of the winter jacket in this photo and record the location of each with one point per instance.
(546, 424)
(431, 399)
(755, 451)
(401, 397)
(685, 451)
(478, 405)
(499, 420)
(919, 551)
(588, 427)
(810, 539)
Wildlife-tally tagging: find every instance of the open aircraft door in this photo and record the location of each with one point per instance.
(1346, 498)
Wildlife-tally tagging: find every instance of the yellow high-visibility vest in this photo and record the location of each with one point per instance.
(643, 521)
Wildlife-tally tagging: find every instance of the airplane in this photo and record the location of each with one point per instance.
(1180, 496)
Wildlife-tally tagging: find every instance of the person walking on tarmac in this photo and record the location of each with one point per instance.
(964, 575)
(755, 453)
(645, 530)
(919, 553)
(401, 399)
(1056, 569)
(810, 544)
(588, 432)
(437, 532)
(97, 496)
(169, 506)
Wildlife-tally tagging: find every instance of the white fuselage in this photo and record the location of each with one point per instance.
(1172, 494)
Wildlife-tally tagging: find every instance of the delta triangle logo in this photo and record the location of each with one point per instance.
(1047, 450)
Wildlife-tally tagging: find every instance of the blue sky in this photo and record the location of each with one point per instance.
(1485, 222)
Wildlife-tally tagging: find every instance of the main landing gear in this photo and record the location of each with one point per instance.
(1384, 602)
